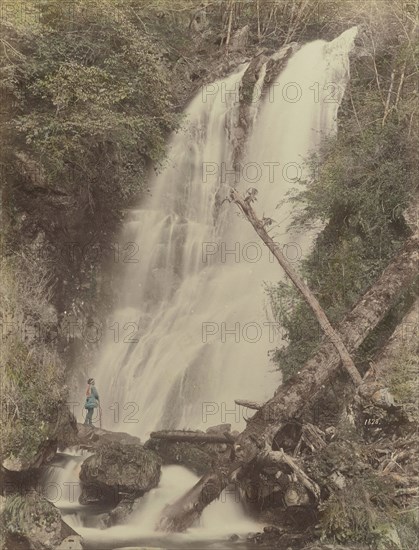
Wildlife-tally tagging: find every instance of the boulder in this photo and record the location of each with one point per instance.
(29, 521)
(19, 464)
(117, 472)
(196, 457)
(73, 542)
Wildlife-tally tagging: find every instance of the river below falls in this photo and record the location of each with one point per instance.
(221, 521)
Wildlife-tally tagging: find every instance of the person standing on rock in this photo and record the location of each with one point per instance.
(92, 401)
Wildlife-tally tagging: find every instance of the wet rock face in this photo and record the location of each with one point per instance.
(22, 465)
(117, 472)
(23, 468)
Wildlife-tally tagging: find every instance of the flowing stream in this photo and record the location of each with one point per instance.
(192, 329)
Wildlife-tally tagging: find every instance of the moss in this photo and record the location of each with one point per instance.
(23, 513)
(358, 511)
(404, 375)
(407, 524)
(33, 391)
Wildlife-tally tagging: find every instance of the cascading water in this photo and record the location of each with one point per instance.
(199, 310)
(204, 330)
(61, 485)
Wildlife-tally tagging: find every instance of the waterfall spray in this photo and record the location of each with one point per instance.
(196, 298)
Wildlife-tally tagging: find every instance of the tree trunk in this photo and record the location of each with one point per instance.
(248, 404)
(271, 458)
(192, 437)
(245, 206)
(303, 389)
(230, 20)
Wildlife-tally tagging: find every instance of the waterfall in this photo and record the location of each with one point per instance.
(193, 320)
(60, 484)
(192, 328)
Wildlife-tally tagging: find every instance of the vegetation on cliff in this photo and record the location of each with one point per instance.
(87, 104)
(361, 183)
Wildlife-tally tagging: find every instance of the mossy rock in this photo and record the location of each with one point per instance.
(31, 522)
(116, 472)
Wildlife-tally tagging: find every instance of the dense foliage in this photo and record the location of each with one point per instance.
(89, 109)
(362, 193)
(87, 105)
(33, 389)
(363, 181)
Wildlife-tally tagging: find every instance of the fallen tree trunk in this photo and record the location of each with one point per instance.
(192, 437)
(272, 458)
(312, 437)
(181, 515)
(259, 226)
(248, 404)
(301, 391)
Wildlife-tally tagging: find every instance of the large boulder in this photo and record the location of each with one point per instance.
(12, 464)
(118, 472)
(194, 456)
(30, 522)
(23, 466)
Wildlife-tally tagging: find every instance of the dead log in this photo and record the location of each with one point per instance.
(334, 336)
(186, 510)
(193, 437)
(301, 391)
(248, 404)
(312, 437)
(276, 458)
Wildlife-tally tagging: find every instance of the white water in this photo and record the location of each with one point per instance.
(177, 375)
(140, 527)
(61, 486)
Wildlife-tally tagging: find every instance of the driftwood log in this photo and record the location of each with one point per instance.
(276, 458)
(248, 404)
(193, 437)
(259, 226)
(301, 391)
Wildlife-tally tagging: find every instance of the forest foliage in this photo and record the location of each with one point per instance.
(361, 182)
(86, 111)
